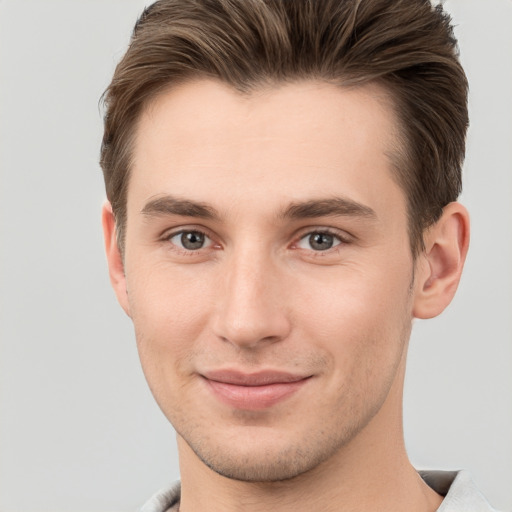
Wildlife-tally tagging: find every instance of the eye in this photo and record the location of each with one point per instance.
(319, 241)
(190, 240)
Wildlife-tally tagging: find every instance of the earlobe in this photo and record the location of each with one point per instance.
(439, 272)
(114, 258)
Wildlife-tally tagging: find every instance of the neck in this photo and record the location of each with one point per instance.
(371, 473)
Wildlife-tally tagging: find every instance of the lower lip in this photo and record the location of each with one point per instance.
(254, 397)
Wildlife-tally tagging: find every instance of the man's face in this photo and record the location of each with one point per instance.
(268, 271)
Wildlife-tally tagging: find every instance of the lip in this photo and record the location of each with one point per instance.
(253, 391)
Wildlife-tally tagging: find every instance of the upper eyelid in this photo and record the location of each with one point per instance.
(168, 234)
(171, 232)
(343, 235)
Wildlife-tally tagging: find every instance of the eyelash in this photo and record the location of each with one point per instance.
(167, 237)
(342, 239)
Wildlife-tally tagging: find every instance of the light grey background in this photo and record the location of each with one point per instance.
(78, 429)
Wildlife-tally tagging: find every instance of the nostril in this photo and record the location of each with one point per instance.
(253, 335)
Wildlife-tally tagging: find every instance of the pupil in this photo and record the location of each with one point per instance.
(192, 240)
(321, 241)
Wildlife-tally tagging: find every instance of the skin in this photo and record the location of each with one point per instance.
(256, 176)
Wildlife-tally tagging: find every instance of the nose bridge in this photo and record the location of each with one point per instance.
(250, 310)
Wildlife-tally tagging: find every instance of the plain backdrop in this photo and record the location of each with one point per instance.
(78, 428)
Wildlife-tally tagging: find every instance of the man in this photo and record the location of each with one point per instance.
(282, 181)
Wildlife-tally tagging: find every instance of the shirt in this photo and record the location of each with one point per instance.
(461, 494)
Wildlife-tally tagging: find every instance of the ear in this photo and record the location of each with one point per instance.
(439, 268)
(114, 259)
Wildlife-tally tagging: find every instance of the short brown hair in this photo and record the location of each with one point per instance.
(407, 46)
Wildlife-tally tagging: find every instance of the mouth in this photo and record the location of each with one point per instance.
(253, 391)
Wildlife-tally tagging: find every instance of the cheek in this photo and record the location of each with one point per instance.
(164, 297)
(361, 318)
(170, 311)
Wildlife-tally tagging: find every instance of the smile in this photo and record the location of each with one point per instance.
(253, 391)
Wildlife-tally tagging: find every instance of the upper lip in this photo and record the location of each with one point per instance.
(260, 378)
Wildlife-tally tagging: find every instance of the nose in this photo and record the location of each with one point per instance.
(252, 308)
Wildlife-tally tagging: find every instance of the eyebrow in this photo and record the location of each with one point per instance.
(332, 207)
(169, 205)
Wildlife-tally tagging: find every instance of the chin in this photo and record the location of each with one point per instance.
(256, 462)
(267, 470)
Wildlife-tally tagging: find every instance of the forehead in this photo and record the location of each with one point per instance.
(299, 139)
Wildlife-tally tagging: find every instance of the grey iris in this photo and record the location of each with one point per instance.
(321, 241)
(192, 240)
